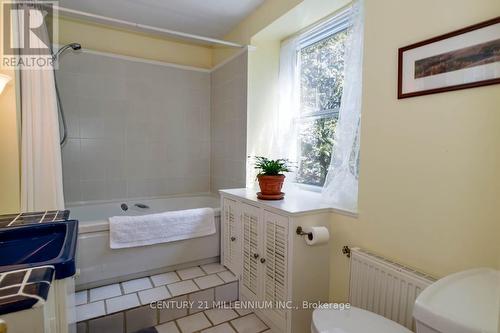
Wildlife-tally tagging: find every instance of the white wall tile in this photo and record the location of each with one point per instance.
(128, 120)
(71, 159)
(228, 124)
(72, 190)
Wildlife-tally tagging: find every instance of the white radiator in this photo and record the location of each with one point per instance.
(382, 286)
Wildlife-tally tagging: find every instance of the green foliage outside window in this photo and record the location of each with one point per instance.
(321, 83)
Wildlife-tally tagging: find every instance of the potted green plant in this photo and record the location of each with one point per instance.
(271, 177)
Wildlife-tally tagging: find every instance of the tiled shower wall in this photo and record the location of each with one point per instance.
(135, 129)
(229, 124)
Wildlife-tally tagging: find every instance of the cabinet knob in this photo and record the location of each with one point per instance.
(233, 239)
(262, 260)
(255, 255)
(3, 326)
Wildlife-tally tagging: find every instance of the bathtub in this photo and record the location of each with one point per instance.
(98, 265)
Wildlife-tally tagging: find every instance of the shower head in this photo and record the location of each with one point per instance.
(73, 46)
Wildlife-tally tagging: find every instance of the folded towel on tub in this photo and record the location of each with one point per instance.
(133, 231)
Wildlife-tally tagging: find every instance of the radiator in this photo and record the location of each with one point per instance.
(382, 286)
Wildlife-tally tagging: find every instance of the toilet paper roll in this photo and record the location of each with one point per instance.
(317, 235)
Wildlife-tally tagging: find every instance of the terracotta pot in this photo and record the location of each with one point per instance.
(271, 185)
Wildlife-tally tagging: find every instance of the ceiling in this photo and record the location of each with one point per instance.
(211, 18)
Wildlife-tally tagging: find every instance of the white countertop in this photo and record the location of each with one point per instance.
(297, 201)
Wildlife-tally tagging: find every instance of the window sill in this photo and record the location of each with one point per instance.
(307, 190)
(306, 187)
(297, 201)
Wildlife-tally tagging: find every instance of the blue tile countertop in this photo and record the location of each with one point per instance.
(25, 288)
(16, 220)
(36, 249)
(44, 244)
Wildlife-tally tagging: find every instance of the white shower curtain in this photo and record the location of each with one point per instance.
(341, 185)
(41, 169)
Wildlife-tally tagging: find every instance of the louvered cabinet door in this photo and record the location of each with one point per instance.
(251, 225)
(275, 261)
(231, 243)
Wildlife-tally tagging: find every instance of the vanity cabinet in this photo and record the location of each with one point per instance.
(273, 264)
(251, 249)
(230, 231)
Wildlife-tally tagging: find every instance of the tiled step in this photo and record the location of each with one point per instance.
(125, 307)
(214, 321)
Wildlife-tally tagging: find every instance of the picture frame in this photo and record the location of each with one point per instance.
(461, 59)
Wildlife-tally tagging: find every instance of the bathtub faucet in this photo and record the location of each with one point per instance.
(142, 206)
(124, 207)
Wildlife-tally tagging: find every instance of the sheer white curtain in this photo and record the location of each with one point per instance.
(41, 168)
(341, 185)
(289, 103)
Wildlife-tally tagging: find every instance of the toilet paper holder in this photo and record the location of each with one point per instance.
(301, 232)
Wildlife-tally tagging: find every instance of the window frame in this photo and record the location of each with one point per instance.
(336, 24)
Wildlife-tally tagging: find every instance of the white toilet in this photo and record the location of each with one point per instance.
(353, 320)
(465, 302)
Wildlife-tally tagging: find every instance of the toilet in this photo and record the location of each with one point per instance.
(438, 309)
(352, 320)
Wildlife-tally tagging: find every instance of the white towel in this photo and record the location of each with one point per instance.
(133, 231)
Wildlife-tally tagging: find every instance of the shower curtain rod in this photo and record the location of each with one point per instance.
(143, 28)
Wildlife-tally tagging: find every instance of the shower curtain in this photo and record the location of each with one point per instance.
(41, 168)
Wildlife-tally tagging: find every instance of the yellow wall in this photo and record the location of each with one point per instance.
(9, 149)
(260, 18)
(430, 166)
(263, 64)
(108, 39)
(9, 145)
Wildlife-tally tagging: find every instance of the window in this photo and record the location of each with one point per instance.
(320, 60)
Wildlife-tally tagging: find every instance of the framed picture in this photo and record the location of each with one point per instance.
(466, 58)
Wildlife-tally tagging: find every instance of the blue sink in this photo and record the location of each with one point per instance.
(39, 245)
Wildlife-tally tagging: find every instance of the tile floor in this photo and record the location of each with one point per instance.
(125, 307)
(216, 321)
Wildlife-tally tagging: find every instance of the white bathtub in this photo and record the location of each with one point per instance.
(99, 265)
